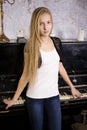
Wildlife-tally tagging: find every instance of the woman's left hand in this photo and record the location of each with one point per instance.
(76, 93)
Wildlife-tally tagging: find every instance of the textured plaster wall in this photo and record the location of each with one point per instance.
(68, 15)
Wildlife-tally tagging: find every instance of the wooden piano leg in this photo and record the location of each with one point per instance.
(83, 125)
(84, 113)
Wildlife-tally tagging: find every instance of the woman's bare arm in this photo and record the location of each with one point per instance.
(66, 78)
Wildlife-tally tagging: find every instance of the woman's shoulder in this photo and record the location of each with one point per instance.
(58, 46)
(56, 39)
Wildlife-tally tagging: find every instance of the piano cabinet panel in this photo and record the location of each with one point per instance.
(77, 80)
(17, 119)
(8, 85)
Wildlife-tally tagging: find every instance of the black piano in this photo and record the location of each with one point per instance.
(11, 66)
(75, 62)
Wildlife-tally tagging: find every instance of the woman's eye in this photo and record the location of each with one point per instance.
(41, 23)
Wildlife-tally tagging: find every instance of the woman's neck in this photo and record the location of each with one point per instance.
(47, 44)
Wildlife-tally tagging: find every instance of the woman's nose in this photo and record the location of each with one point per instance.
(45, 26)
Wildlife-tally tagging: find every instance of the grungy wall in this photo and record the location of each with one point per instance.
(68, 15)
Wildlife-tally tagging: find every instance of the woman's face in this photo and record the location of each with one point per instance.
(45, 25)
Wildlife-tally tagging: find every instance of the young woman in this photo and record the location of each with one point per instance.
(42, 63)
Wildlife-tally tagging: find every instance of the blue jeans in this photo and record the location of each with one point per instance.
(37, 108)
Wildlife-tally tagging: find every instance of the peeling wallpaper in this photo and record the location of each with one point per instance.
(68, 16)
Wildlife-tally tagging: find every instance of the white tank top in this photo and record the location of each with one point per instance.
(46, 84)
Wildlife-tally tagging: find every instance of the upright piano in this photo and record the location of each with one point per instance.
(11, 66)
(75, 62)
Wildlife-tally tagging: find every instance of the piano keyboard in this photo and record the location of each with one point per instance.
(70, 97)
(65, 94)
(63, 97)
(20, 101)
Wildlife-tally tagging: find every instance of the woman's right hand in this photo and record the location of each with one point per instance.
(9, 102)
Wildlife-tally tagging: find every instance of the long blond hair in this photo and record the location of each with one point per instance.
(33, 43)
